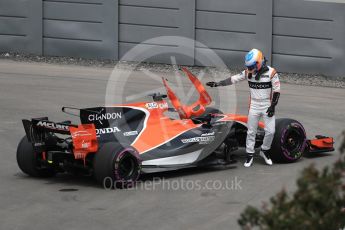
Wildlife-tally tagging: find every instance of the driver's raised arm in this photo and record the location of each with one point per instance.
(229, 81)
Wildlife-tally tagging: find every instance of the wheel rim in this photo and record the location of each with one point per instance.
(126, 167)
(293, 141)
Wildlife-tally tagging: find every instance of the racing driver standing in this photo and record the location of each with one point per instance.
(264, 87)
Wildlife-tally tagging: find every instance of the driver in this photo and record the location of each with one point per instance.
(264, 87)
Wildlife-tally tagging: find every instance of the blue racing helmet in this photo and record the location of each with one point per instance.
(254, 60)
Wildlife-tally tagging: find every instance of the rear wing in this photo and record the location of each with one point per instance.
(43, 124)
(39, 130)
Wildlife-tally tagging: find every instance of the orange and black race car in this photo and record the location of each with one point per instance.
(118, 143)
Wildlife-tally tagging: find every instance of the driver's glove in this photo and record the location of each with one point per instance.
(270, 111)
(212, 84)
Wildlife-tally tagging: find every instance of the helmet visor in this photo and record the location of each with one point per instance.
(251, 67)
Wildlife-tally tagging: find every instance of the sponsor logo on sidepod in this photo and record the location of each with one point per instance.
(200, 140)
(130, 133)
(207, 134)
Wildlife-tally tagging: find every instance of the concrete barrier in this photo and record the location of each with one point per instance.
(309, 36)
(21, 26)
(302, 36)
(81, 28)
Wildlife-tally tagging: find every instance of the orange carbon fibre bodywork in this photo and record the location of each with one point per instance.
(239, 118)
(159, 128)
(198, 107)
(84, 140)
(205, 98)
(322, 143)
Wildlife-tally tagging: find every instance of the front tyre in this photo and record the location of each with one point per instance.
(289, 141)
(29, 161)
(116, 166)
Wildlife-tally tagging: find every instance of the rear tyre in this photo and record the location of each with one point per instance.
(28, 160)
(289, 141)
(116, 166)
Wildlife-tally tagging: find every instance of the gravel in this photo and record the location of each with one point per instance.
(291, 78)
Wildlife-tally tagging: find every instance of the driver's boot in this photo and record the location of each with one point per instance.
(249, 161)
(265, 154)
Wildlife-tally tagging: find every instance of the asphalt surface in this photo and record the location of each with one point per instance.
(74, 202)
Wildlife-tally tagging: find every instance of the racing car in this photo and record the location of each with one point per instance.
(119, 143)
